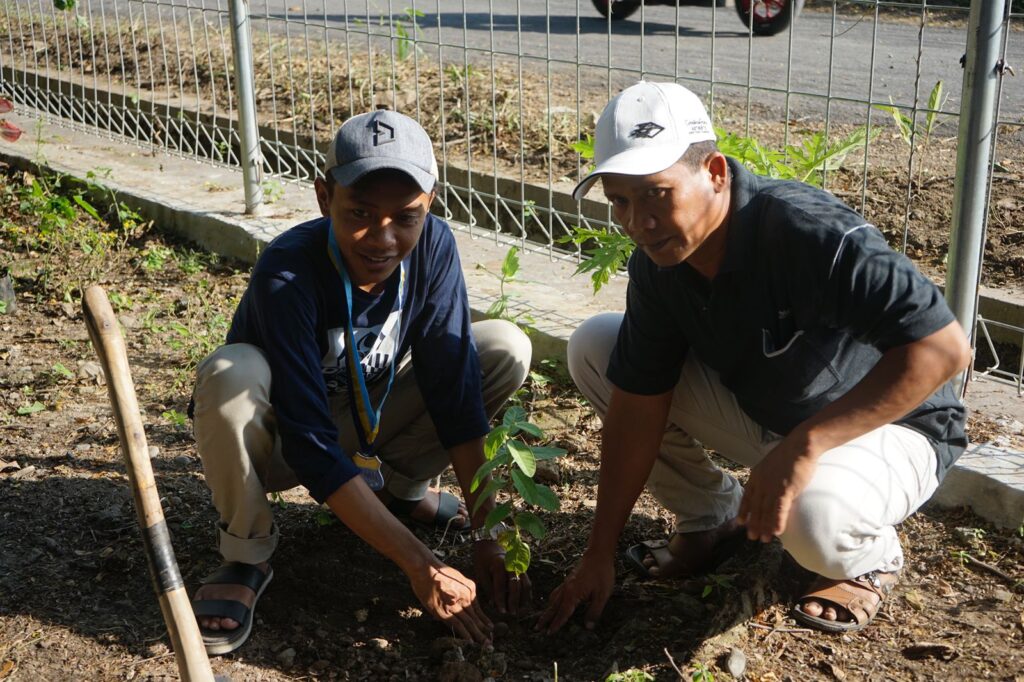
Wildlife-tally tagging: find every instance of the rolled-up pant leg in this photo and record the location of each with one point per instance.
(236, 432)
(841, 525)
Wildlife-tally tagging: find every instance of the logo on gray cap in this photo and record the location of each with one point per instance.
(382, 133)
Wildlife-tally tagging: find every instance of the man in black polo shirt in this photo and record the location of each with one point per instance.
(769, 322)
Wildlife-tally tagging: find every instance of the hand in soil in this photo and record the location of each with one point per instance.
(507, 591)
(450, 597)
(239, 593)
(591, 581)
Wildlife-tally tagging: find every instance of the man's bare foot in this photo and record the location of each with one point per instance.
(425, 511)
(826, 610)
(690, 554)
(239, 593)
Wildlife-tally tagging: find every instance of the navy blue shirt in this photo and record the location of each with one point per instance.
(294, 310)
(808, 297)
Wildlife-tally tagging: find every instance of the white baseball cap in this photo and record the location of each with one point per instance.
(645, 129)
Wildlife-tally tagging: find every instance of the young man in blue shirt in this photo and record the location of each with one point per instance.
(771, 323)
(351, 368)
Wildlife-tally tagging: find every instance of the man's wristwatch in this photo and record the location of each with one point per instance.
(478, 534)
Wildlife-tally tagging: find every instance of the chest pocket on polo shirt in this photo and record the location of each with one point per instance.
(797, 367)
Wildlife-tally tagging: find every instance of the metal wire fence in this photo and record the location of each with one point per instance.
(508, 90)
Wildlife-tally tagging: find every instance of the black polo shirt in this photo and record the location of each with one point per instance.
(808, 298)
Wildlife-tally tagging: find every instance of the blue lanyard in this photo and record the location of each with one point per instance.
(366, 417)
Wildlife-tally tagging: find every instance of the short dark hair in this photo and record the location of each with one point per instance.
(695, 154)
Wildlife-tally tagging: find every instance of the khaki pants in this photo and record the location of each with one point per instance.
(237, 439)
(841, 525)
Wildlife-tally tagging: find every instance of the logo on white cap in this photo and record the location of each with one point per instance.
(648, 129)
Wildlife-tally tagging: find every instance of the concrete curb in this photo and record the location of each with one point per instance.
(176, 192)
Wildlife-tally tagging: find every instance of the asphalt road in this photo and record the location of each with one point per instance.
(845, 56)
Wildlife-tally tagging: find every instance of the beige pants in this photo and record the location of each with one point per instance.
(236, 432)
(842, 523)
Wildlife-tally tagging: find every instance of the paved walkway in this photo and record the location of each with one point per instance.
(199, 201)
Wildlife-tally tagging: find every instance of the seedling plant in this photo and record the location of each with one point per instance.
(511, 463)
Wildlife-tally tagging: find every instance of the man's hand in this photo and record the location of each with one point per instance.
(773, 486)
(508, 591)
(590, 581)
(450, 597)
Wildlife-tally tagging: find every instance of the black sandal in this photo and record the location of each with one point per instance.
(225, 641)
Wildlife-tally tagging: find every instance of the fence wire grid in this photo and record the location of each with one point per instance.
(508, 90)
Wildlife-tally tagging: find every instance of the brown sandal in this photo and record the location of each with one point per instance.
(861, 597)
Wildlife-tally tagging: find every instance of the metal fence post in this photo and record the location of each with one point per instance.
(248, 132)
(973, 158)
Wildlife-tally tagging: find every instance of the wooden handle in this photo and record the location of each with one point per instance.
(189, 651)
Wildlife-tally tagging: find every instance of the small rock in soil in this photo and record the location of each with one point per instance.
(361, 615)
(492, 663)
(83, 447)
(7, 294)
(459, 671)
(182, 460)
(28, 472)
(379, 643)
(1001, 595)
(287, 657)
(548, 471)
(91, 372)
(154, 452)
(9, 466)
(736, 662)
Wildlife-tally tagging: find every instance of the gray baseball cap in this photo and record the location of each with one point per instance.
(381, 139)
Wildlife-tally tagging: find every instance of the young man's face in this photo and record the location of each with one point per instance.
(377, 222)
(671, 214)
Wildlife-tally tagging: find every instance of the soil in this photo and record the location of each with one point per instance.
(75, 597)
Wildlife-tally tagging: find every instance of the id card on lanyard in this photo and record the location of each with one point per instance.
(364, 414)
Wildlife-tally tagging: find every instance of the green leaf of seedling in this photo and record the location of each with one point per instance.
(487, 467)
(532, 429)
(86, 206)
(531, 523)
(510, 266)
(706, 591)
(495, 439)
(497, 514)
(526, 487)
(542, 453)
(31, 409)
(494, 486)
(935, 103)
(513, 416)
(546, 498)
(517, 555)
(522, 455)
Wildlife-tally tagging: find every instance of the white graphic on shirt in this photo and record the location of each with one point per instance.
(377, 346)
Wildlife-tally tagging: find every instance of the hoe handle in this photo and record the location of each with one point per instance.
(193, 664)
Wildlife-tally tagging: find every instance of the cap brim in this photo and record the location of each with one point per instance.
(351, 172)
(641, 161)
